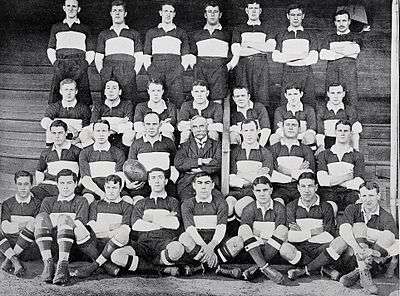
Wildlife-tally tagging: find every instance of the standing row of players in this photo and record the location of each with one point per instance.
(212, 52)
(159, 235)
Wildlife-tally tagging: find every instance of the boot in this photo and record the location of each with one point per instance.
(170, 270)
(48, 271)
(111, 268)
(367, 283)
(350, 279)
(86, 270)
(190, 269)
(296, 273)
(18, 268)
(6, 265)
(61, 276)
(235, 273)
(332, 273)
(250, 273)
(272, 274)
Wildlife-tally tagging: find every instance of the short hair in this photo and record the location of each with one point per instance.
(113, 178)
(295, 6)
(199, 82)
(370, 185)
(155, 81)
(23, 173)
(240, 87)
(158, 169)
(248, 2)
(113, 80)
(150, 113)
(262, 180)
(68, 81)
(66, 173)
(247, 121)
(344, 122)
(293, 85)
(340, 12)
(59, 122)
(198, 117)
(307, 175)
(102, 121)
(212, 3)
(118, 3)
(201, 174)
(171, 3)
(289, 115)
(335, 84)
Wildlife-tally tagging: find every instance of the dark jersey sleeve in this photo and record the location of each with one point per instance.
(52, 111)
(311, 118)
(126, 213)
(101, 43)
(138, 42)
(329, 218)
(184, 113)
(218, 113)
(359, 165)
(47, 205)
(148, 42)
(137, 211)
(81, 209)
(320, 119)
(185, 47)
(133, 150)
(96, 113)
(280, 212)
(93, 211)
(248, 215)
(267, 159)
(84, 168)
(187, 213)
(222, 212)
(52, 40)
(309, 156)
(291, 209)
(42, 164)
(5, 212)
(140, 112)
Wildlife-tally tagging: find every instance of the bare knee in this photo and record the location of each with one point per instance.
(65, 221)
(281, 232)
(175, 250)
(122, 235)
(43, 220)
(187, 241)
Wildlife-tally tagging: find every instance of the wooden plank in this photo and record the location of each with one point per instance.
(34, 137)
(21, 126)
(225, 147)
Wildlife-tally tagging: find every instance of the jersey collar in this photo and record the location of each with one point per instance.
(244, 110)
(105, 147)
(287, 143)
(270, 207)
(22, 201)
(166, 28)
(344, 33)
(119, 28)
(254, 23)
(157, 107)
(293, 29)
(294, 109)
(147, 139)
(113, 104)
(69, 104)
(68, 198)
(70, 23)
(336, 150)
(117, 200)
(156, 196)
(200, 108)
(208, 200)
(254, 146)
(367, 216)
(67, 145)
(334, 108)
(211, 29)
(301, 204)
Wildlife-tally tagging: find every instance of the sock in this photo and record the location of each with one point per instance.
(44, 240)
(65, 239)
(25, 239)
(6, 249)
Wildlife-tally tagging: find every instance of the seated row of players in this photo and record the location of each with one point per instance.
(211, 51)
(317, 129)
(158, 235)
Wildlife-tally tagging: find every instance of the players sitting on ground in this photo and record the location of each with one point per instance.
(291, 158)
(156, 220)
(372, 235)
(312, 247)
(76, 115)
(17, 225)
(340, 169)
(62, 155)
(165, 109)
(330, 113)
(247, 109)
(199, 154)
(98, 161)
(303, 112)
(109, 220)
(200, 105)
(60, 223)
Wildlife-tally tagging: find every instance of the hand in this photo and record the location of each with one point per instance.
(208, 252)
(304, 165)
(114, 226)
(213, 135)
(73, 131)
(213, 262)
(206, 160)
(319, 150)
(316, 231)
(147, 217)
(235, 138)
(196, 170)
(22, 225)
(263, 171)
(233, 63)
(294, 227)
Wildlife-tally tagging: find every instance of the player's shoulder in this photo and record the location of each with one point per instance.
(293, 204)
(10, 201)
(250, 208)
(308, 108)
(80, 200)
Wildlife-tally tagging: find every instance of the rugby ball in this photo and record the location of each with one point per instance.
(134, 171)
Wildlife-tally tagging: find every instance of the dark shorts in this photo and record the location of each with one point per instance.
(309, 251)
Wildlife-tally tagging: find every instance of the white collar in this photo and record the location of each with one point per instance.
(155, 196)
(293, 29)
(344, 33)
(301, 204)
(208, 200)
(294, 109)
(105, 147)
(270, 207)
(113, 104)
(119, 28)
(22, 201)
(211, 29)
(166, 28)
(161, 106)
(249, 106)
(286, 143)
(200, 108)
(146, 139)
(70, 23)
(67, 145)
(254, 146)
(68, 198)
(119, 199)
(254, 23)
(367, 216)
(336, 150)
(69, 104)
(334, 108)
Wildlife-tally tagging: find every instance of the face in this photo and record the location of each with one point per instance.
(66, 185)
(118, 14)
(336, 94)
(200, 94)
(212, 15)
(157, 181)
(152, 125)
(112, 90)
(198, 127)
(24, 186)
(293, 96)
(167, 14)
(307, 189)
(112, 190)
(68, 92)
(295, 17)
(343, 134)
(241, 97)
(71, 8)
(249, 133)
(155, 92)
(101, 133)
(263, 193)
(253, 11)
(59, 135)
(342, 22)
(370, 198)
(203, 187)
(291, 128)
